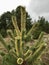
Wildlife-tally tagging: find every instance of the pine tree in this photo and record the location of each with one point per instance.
(18, 53)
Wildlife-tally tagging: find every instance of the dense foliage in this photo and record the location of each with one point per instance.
(6, 23)
(43, 26)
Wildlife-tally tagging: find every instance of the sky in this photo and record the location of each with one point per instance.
(35, 8)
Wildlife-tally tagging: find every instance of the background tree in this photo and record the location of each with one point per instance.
(6, 19)
(5, 23)
(17, 13)
(43, 26)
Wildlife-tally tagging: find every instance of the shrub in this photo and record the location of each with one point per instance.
(17, 55)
